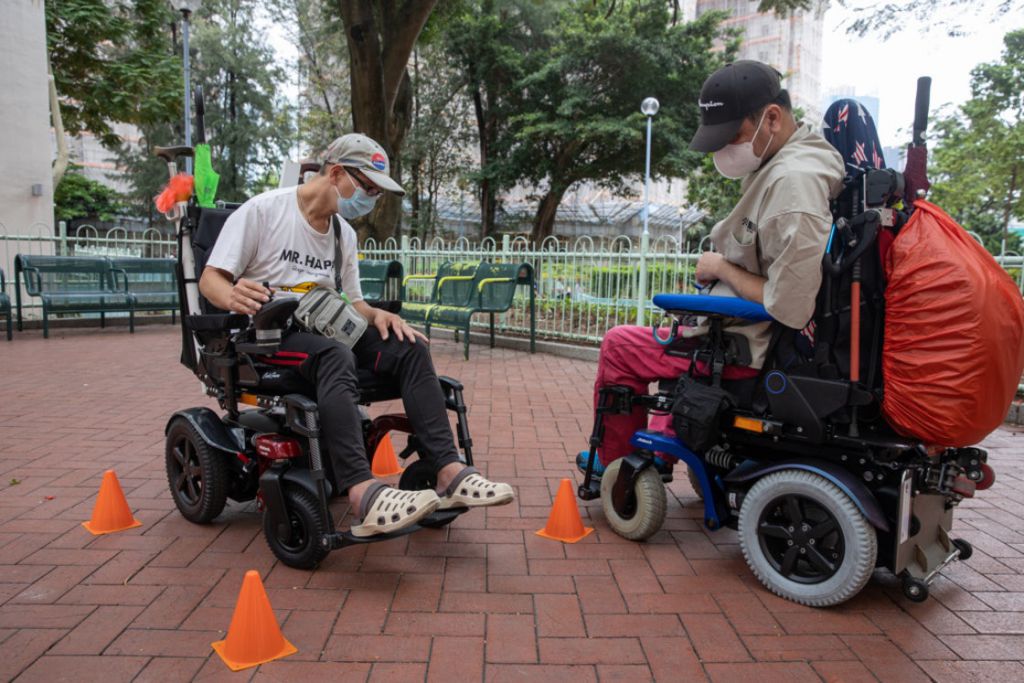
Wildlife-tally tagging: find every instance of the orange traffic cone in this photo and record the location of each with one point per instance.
(385, 463)
(254, 636)
(564, 522)
(111, 512)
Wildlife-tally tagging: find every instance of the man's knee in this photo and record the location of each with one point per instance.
(336, 357)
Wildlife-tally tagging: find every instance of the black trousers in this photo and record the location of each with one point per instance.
(332, 368)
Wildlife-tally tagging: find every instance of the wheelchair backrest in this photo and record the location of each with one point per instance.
(208, 224)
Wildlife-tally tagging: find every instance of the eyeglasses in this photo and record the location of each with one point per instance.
(369, 188)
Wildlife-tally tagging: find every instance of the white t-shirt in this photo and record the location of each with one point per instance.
(267, 239)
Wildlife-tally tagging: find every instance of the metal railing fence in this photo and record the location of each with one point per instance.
(583, 287)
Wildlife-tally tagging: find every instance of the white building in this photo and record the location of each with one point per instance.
(26, 180)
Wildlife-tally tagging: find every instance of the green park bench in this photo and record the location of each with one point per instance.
(5, 305)
(151, 282)
(461, 290)
(72, 284)
(380, 280)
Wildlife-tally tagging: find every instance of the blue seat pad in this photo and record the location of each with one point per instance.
(727, 306)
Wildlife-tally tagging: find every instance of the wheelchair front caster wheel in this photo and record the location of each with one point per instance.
(965, 548)
(416, 477)
(643, 515)
(196, 473)
(805, 539)
(300, 546)
(914, 589)
(694, 483)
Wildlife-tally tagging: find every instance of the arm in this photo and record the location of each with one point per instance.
(244, 296)
(712, 266)
(383, 320)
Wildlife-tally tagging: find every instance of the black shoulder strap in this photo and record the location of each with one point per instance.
(336, 225)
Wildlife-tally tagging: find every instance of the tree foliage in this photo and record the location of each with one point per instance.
(113, 60)
(80, 197)
(978, 163)
(248, 120)
(885, 18)
(436, 151)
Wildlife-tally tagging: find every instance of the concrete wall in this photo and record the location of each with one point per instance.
(25, 151)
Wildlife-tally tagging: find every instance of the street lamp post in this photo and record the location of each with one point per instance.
(649, 107)
(186, 7)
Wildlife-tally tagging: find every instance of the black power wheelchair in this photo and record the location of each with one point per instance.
(802, 462)
(266, 446)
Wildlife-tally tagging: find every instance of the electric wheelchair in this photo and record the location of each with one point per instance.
(266, 446)
(802, 462)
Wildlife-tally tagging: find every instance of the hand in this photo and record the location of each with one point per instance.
(248, 296)
(709, 268)
(383, 320)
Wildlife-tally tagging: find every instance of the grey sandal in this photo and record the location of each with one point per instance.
(384, 509)
(470, 489)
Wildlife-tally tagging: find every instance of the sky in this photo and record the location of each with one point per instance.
(888, 69)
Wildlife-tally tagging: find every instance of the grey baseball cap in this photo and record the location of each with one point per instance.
(360, 152)
(728, 95)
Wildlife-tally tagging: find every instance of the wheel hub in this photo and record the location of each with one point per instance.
(801, 539)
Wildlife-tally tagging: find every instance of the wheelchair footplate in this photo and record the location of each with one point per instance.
(440, 518)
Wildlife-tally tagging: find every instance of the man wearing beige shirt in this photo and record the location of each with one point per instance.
(767, 250)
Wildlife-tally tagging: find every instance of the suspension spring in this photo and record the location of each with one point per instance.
(717, 456)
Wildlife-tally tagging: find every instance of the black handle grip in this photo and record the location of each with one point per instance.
(921, 104)
(200, 107)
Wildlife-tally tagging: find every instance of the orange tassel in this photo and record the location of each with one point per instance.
(178, 189)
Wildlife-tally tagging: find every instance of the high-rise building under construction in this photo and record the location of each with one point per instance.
(792, 44)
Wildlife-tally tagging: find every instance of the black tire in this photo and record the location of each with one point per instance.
(694, 483)
(914, 589)
(805, 540)
(416, 477)
(965, 548)
(303, 549)
(197, 474)
(649, 515)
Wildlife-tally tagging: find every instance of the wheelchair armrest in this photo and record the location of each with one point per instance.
(274, 314)
(712, 306)
(216, 322)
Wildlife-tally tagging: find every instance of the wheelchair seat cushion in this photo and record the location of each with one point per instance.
(725, 306)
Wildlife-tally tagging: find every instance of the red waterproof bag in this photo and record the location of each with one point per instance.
(954, 333)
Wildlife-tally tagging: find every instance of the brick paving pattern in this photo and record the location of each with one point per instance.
(484, 600)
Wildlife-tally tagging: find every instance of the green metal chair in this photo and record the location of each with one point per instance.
(151, 282)
(5, 306)
(380, 280)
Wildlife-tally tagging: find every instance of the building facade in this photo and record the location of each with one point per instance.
(791, 44)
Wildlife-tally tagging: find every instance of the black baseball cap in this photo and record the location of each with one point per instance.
(730, 94)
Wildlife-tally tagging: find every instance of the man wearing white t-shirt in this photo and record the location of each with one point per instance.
(287, 238)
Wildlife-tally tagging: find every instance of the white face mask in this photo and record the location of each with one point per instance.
(739, 160)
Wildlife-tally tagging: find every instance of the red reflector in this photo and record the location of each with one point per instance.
(277, 447)
(988, 477)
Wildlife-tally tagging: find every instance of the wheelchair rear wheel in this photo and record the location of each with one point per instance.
(301, 548)
(641, 519)
(805, 540)
(196, 474)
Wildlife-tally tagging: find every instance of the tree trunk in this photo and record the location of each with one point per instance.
(381, 94)
(1008, 207)
(485, 130)
(544, 221)
(60, 164)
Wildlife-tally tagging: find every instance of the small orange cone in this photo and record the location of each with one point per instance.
(385, 462)
(111, 512)
(564, 522)
(254, 636)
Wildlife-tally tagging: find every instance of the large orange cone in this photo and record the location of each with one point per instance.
(564, 522)
(111, 512)
(385, 462)
(254, 636)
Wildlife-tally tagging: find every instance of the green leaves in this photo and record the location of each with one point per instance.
(978, 162)
(81, 197)
(113, 61)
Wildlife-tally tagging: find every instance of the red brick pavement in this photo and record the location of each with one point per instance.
(482, 600)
